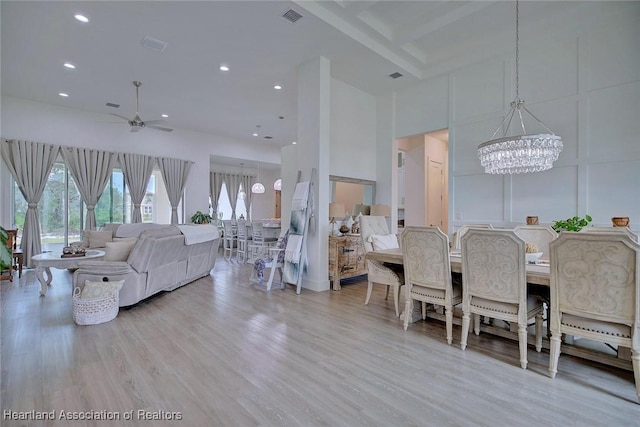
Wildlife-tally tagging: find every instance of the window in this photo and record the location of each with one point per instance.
(224, 204)
(62, 213)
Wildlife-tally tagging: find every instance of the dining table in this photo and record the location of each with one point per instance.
(537, 274)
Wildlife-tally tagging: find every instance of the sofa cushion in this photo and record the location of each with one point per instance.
(97, 239)
(100, 289)
(119, 249)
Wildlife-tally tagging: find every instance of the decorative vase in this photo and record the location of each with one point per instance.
(532, 220)
(620, 221)
(344, 229)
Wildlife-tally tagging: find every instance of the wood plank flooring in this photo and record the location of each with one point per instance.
(224, 352)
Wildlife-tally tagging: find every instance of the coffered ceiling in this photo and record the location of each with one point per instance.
(366, 41)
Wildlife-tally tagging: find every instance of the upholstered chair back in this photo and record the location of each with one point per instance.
(624, 230)
(493, 266)
(370, 226)
(426, 258)
(463, 229)
(539, 235)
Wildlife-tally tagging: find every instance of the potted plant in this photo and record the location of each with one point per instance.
(571, 224)
(5, 250)
(201, 218)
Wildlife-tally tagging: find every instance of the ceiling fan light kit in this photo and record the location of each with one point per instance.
(136, 123)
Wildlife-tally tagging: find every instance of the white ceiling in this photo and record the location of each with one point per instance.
(365, 41)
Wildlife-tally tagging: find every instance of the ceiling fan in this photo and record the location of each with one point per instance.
(136, 123)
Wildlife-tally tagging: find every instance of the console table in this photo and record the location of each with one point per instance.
(346, 258)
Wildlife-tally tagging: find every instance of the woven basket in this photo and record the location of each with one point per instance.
(92, 311)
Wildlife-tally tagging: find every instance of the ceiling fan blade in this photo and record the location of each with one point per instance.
(118, 115)
(158, 127)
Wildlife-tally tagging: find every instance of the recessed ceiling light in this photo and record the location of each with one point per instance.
(165, 115)
(255, 134)
(224, 68)
(69, 65)
(277, 87)
(81, 18)
(64, 95)
(294, 143)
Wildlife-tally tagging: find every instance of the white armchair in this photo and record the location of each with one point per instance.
(378, 273)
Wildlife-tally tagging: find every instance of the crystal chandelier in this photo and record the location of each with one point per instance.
(521, 153)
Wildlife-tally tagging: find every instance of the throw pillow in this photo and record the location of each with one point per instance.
(380, 242)
(118, 250)
(98, 239)
(100, 289)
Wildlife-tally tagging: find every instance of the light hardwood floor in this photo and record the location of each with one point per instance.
(223, 352)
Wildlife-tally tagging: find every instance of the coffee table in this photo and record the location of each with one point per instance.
(45, 261)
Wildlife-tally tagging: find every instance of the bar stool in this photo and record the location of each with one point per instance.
(230, 237)
(243, 240)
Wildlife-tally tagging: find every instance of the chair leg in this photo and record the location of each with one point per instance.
(386, 295)
(465, 329)
(408, 312)
(476, 324)
(635, 360)
(369, 289)
(424, 310)
(396, 298)
(448, 315)
(271, 274)
(554, 354)
(522, 338)
(539, 332)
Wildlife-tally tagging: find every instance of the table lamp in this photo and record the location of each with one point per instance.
(335, 210)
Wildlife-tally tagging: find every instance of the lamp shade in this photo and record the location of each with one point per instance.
(381, 210)
(277, 185)
(257, 188)
(361, 209)
(336, 210)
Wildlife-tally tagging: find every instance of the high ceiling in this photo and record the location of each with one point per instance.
(366, 41)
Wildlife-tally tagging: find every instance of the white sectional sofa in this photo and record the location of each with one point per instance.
(163, 259)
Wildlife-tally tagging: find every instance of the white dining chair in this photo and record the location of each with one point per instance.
(427, 274)
(539, 235)
(494, 284)
(242, 239)
(372, 227)
(463, 229)
(595, 292)
(624, 230)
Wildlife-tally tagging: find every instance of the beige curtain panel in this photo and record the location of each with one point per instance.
(215, 188)
(174, 173)
(91, 170)
(247, 183)
(233, 188)
(137, 170)
(30, 164)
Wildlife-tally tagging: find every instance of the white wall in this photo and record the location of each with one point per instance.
(353, 132)
(585, 87)
(27, 120)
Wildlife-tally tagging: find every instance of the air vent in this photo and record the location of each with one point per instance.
(112, 105)
(395, 75)
(268, 137)
(154, 44)
(291, 16)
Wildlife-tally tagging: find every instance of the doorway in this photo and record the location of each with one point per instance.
(423, 179)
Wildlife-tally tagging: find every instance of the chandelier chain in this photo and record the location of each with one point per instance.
(517, 50)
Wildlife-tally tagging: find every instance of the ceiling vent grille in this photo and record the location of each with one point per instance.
(291, 16)
(111, 104)
(395, 75)
(268, 137)
(154, 44)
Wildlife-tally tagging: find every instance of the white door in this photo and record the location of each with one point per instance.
(435, 194)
